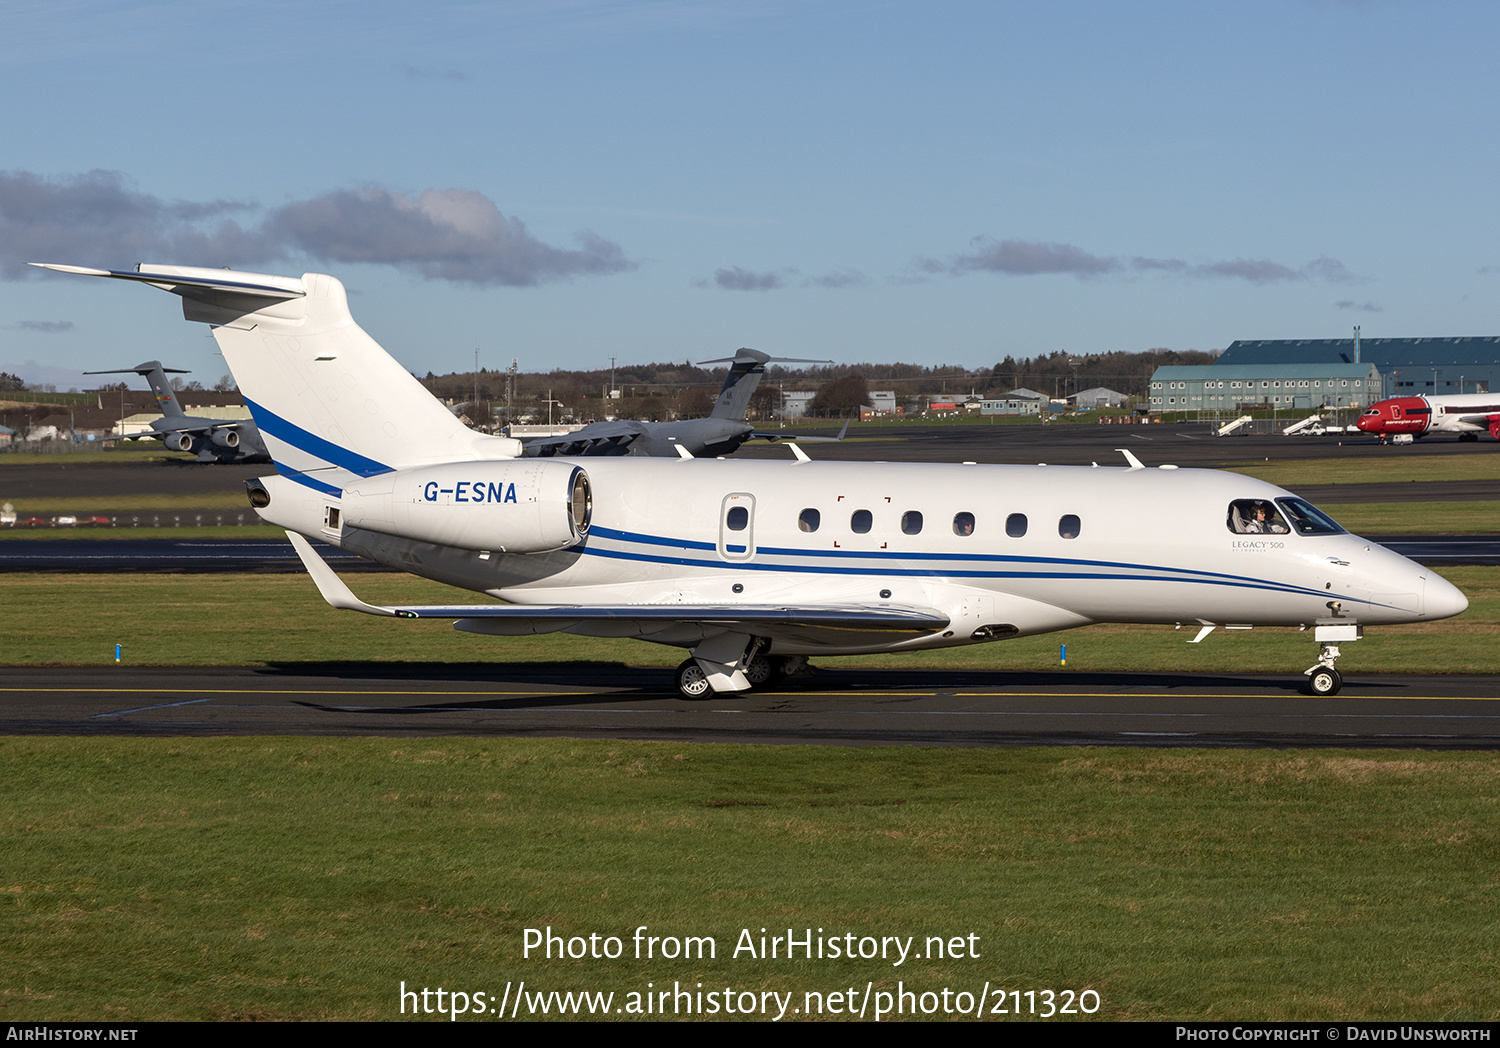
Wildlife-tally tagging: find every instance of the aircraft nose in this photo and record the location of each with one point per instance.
(1441, 599)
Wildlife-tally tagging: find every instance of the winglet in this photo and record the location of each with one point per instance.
(1135, 463)
(682, 452)
(329, 584)
(798, 453)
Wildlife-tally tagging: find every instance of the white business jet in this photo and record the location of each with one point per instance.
(754, 566)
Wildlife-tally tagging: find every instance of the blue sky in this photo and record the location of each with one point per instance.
(938, 182)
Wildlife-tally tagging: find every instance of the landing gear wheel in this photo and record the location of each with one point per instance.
(789, 666)
(692, 682)
(761, 672)
(1324, 680)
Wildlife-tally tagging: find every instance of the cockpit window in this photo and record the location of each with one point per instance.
(809, 519)
(1308, 519)
(1256, 517)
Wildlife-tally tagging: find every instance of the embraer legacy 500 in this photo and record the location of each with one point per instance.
(1402, 419)
(754, 566)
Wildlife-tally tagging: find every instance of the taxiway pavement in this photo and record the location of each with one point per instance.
(838, 707)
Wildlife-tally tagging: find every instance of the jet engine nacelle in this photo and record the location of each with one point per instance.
(227, 438)
(181, 442)
(511, 505)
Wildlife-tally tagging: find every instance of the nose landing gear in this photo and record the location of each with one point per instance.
(1322, 677)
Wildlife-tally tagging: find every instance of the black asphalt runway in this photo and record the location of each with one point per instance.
(841, 707)
(195, 556)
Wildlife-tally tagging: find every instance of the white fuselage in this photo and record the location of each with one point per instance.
(1148, 546)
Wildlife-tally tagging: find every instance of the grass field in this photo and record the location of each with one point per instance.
(1473, 465)
(306, 879)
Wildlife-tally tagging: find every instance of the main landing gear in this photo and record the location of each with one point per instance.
(761, 671)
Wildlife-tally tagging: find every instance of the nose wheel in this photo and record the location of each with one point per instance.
(1324, 680)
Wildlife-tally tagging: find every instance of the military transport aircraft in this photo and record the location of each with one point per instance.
(721, 433)
(214, 439)
(1399, 420)
(754, 566)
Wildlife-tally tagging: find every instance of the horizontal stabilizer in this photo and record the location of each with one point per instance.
(183, 278)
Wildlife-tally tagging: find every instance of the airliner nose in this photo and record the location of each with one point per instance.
(1441, 599)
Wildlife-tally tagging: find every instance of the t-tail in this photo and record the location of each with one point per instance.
(329, 401)
(746, 368)
(156, 377)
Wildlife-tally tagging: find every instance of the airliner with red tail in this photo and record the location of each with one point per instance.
(1400, 420)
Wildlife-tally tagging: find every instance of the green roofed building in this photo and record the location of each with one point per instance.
(1221, 387)
(1408, 366)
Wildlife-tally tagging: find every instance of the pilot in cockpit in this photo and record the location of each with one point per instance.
(1257, 518)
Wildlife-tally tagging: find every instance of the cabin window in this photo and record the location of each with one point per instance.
(963, 524)
(911, 523)
(860, 521)
(737, 518)
(1255, 517)
(808, 520)
(1015, 525)
(1307, 519)
(1068, 526)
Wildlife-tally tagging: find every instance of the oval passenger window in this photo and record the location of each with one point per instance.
(1068, 526)
(860, 522)
(1015, 525)
(963, 524)
(738, 517)
(911, 523)
(809, 519)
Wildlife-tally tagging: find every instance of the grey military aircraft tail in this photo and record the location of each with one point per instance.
(721, 433)
(212, 439)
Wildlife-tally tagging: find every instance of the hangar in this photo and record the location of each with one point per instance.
(1243, 387)
(1408, 366)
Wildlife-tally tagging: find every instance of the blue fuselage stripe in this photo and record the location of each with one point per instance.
(1111, 569)
(274, 425)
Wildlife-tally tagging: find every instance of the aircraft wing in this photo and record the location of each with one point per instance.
(636, 619)
(776, 435)
(1480, 420)
(597, 438)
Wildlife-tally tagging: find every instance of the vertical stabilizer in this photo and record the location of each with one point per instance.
(166, 398)
(746, 368)
(326, 397)
(156, 377)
